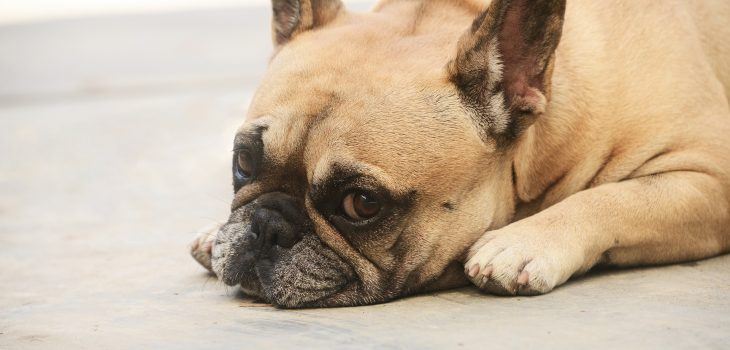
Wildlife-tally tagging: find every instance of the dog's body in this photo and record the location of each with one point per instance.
(612, 147)
(631, 162)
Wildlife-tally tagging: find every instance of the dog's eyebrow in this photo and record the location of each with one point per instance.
(251, 139)
(338, 176)
(343, 176)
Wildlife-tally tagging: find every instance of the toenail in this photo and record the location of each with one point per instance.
(473, 270)
(523, 278)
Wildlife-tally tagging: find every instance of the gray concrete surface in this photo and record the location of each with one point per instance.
(115, 137)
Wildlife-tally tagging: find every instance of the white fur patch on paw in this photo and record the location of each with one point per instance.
(202, 245)
(515, 264)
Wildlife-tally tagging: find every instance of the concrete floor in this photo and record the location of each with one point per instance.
(115, 138)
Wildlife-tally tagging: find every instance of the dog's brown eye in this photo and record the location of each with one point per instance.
(244, 169)
(360, 206)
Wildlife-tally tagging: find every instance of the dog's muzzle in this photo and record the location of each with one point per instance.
(268, 246)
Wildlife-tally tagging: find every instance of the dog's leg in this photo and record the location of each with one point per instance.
(202, 246)
(655, 219)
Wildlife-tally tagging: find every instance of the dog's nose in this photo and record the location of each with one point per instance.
(278, 220)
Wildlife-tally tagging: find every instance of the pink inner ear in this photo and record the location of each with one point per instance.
(519, 83)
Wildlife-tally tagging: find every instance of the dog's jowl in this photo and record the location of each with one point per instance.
(513, 144)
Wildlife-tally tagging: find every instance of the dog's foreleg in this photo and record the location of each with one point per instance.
(654, 219)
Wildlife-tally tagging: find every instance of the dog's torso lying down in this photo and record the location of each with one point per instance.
(512, 144)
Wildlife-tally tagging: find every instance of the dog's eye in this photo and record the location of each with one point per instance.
(360, 206)
(244, 168)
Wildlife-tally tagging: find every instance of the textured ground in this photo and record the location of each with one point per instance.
(115, 137)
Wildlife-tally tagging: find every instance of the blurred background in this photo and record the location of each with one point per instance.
(40, 10)
(53, 50)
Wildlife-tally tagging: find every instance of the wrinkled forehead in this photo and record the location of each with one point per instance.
(397, 133)
(357, 55)
(394, 136)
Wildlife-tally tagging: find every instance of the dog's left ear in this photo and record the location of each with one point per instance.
(291, 17)
(504, 63)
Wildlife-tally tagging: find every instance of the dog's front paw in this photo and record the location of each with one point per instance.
(506, 262)
(202, 246)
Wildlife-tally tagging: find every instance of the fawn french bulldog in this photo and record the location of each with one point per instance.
(512, 144)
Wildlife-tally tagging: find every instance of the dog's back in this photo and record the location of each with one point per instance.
(710, 17)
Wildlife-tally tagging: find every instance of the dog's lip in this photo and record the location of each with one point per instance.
(341, 295)
(336, 298)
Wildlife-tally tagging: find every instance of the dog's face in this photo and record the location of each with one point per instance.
(360, 174)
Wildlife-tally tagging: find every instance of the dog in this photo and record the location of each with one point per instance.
(512, 144)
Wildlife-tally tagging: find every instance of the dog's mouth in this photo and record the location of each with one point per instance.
(305, 273)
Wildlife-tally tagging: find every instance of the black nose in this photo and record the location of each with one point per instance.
(278, 220)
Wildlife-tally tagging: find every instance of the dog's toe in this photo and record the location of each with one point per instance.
(202, 246)
(505, 266)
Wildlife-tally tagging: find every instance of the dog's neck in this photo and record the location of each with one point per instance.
(551, 149)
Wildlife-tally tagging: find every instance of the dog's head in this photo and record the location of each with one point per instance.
(377, 148)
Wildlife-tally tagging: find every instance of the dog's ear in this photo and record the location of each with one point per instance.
(504, 63)
(291, 17)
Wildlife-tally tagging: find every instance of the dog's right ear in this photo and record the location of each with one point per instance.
(291, 17)
(504, 62)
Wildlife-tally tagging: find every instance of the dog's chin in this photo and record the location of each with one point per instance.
(309, 274)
